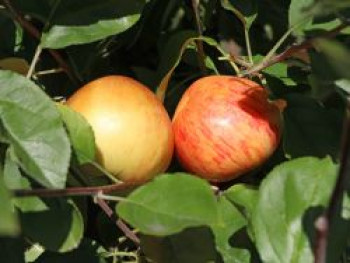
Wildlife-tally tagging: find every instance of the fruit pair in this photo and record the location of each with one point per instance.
(223, 127)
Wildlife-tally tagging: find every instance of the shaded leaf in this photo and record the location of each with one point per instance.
(76, 22)
(15, 64)
(33, 127)
(11, 250)
(290, 199)
(193, 245)
(60, 228)
(337, 54)
(246, 11)
(169, 204)
(80, 133)
(310, 128)
(89, 251)
(15, 180)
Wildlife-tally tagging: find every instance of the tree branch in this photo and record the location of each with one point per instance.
(324, 222)
(120, 224)
(199, 43)
(33, 31)
(307, 44)
(72, 191)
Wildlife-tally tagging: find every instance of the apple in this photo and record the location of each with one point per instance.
(133, 132)
(225, 126)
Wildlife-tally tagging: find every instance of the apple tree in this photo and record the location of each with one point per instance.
(59, 202)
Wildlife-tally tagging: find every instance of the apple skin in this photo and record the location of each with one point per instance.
(225, 126)
(133, 132)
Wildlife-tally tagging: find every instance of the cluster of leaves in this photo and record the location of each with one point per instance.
(266, 216)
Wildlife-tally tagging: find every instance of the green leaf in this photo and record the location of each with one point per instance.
(15, 180)
(290, 199)
(230, 221)
(343, 84)
(193, 245)
(33, 252)
(245, 10)
(310, 128)
(77, 22)
(243, 196)
(298, 13)
(8, 220)
(280, 71)
(89, 251)
(60, 228)
(337, 54)
(169, 204)
(181, 41)
(32, 125)
(80, 133)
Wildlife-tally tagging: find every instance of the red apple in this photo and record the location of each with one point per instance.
(225, 126)
(132, 129)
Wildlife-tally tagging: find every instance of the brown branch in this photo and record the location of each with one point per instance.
(199, 43)
(120, 224)
(307, 44)
(72, 191)
(324, 222)
(33, 31)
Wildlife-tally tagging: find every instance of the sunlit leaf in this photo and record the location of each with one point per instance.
(32, 125)
(169, 204)
(80, 133)
(297, 14)
(76, 22)
(230, 221)
(290, 199)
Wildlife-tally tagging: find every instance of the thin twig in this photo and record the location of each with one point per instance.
(199, 43)
(34, 61)
(324, 222)
(33, 31)
(307, 44)
(120, 224)
(72, 191)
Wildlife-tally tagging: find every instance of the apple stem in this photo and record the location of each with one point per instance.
(325, 221)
